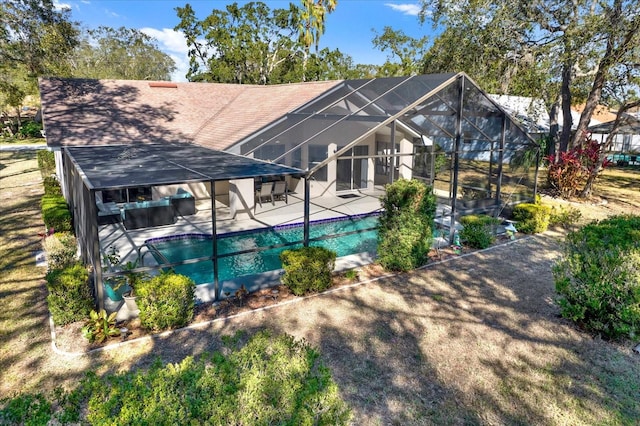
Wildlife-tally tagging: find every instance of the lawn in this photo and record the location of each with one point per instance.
(476, 339)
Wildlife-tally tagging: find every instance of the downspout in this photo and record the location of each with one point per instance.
(456, 148)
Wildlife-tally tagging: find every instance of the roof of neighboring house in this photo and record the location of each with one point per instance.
(628, 125)
(81, 112)
(530, 112)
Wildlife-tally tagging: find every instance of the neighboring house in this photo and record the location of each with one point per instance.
(531, 113)
(626, 139)
(326, 139)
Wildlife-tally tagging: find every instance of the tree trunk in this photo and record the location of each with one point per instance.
(565, 95)
(554, 128)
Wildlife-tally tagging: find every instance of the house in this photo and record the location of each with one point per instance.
(116, 141)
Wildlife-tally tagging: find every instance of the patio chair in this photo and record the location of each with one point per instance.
(265, 192)
(280, 192)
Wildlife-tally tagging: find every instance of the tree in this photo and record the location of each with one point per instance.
(574, 45)
(310, 20)
(120, 53)
(255, 45)
(239, 44)
(35, 40)
(408, 52)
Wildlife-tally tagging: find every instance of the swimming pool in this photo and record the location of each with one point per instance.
(191, 246)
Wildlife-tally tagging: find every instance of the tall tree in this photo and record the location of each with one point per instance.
(310, 19)
(120, 53)
(573, 44)
(35, 40)
(239, 44)
(405, 53)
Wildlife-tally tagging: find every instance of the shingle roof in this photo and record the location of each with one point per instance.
(103, 112)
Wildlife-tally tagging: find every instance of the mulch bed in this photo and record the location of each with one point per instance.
(69, 338)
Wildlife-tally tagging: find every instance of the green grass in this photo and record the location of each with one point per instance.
(25, 141)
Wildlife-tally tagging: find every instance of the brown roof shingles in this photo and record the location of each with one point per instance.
(105, 112)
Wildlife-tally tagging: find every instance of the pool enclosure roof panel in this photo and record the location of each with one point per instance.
(125, 166)
(429, 105)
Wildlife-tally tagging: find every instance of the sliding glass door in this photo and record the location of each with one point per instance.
(352, 171)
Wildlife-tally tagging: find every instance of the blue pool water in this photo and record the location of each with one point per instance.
(190, 246)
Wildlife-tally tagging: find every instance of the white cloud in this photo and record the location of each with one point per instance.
(410, 9)
(173, 44)
(61, 6)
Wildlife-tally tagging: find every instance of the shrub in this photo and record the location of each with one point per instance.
(478, 230)
(31, 129)
(51, 186)
(166, 301)
(307, 269)
(406, 223)
(46, 162)
(532, 218)
(564, 216)
(598, 277)
(27, 409)
(271, 380)
(100, 326)
(568, 173)
(55, 213)
(69, 296)
(61, 249)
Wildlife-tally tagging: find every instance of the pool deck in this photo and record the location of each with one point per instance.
(128, 242)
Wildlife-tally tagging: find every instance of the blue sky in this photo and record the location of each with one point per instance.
(348, 28)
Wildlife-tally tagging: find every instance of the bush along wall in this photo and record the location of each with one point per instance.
(166, 301)
(46, 162)
(307, 269)
(598, 277)
(532, 218)
(55, 213)
(70, 297)
(405, 227)
(479, 231)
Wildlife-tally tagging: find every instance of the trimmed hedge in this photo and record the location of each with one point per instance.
(61, 249)
(405, 226)
(51, 186)
(166, 301)
(55, 213)
(479, 231)
(69, 296)
(598, 277)
(532, 218)
(46, 162)
(307, 269)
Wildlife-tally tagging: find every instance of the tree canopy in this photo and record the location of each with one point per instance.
(121, 53)
(253, 44)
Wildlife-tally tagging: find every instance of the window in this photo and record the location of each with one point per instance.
(317, 154)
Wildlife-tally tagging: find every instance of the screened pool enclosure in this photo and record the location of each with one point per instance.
(350, 141)
(364, 134)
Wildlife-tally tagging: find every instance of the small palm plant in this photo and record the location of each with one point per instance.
(100, 326)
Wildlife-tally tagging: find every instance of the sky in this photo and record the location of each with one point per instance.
(349, 28)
